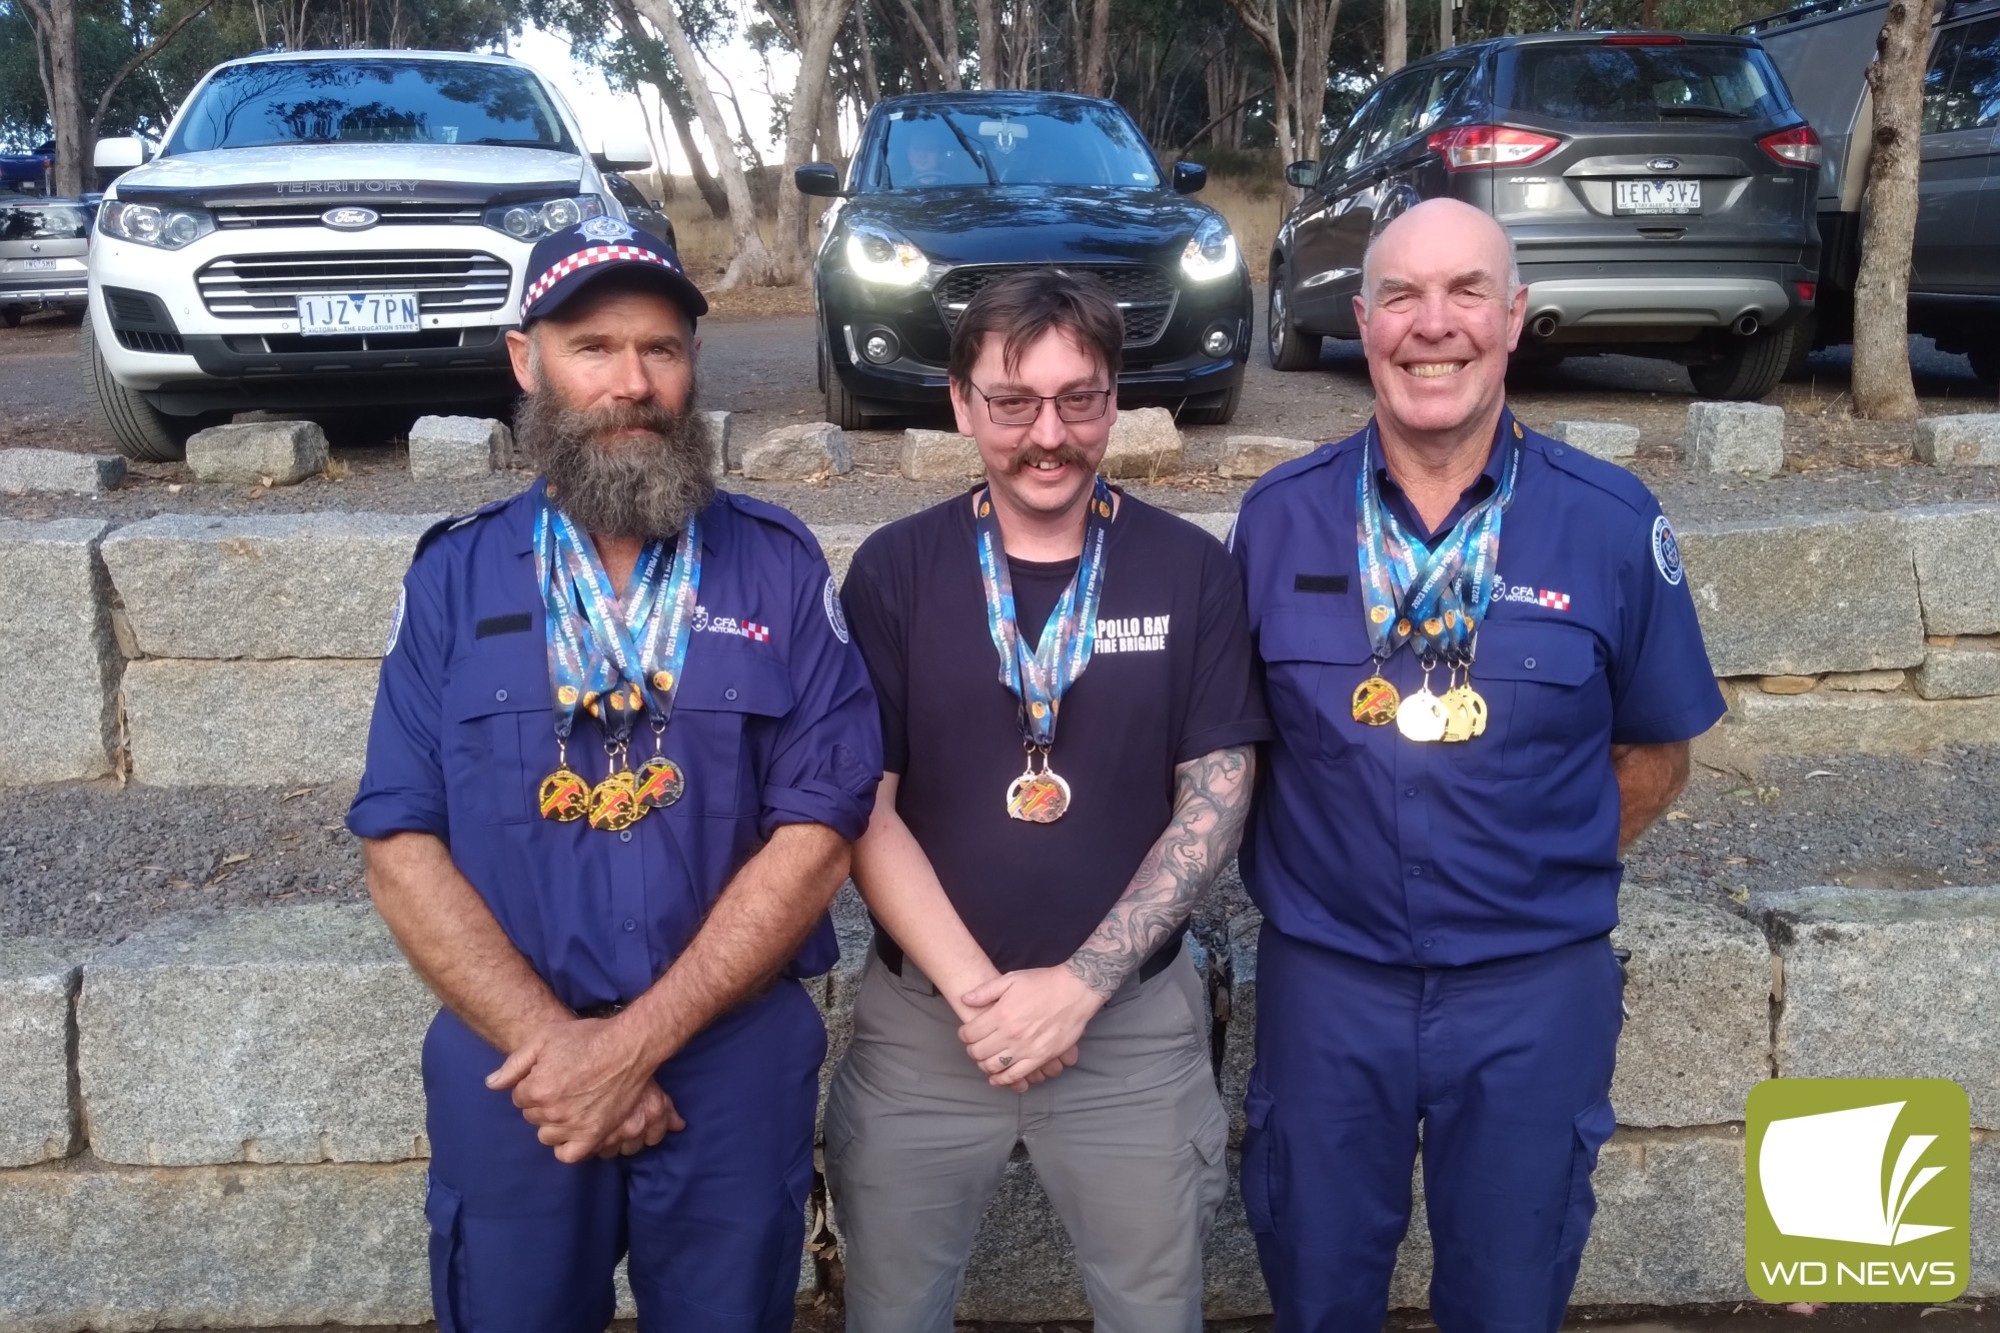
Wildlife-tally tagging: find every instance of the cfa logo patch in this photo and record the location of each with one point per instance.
(835, 617)
(1666, 550)
(396, 625)
(1860, 1189)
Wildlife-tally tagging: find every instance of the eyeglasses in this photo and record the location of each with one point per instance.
(1024, 409)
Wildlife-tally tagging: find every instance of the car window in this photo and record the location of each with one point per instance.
(1052, 143)
(625, 192)
(1345, 154)
(1962, 84)
(356, 100)
(1595, 82)
(1403, 100)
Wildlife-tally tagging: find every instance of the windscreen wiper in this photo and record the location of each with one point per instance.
(975, 154)
(1703, 112)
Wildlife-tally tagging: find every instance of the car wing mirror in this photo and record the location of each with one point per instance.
(1189, 177)
(623, 153)
(120, 153)
(818, 178)
(1302, 174)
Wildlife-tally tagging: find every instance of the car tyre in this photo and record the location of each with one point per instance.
(1289, 349)
(10, 316)
(140, 430)
(1748, 368)
(1213, 409)
(1985, 360)
(843, 409)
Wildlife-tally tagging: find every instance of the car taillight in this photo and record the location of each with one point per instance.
(1795, 147)
(1643, 39)
(1471, 146)
(1807, 290)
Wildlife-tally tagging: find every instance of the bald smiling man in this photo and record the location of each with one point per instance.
(1484, 671)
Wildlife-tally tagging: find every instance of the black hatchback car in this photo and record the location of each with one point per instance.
(1658, 188)
(948, 191)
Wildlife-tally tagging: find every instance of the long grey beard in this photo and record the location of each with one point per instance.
(641, 487)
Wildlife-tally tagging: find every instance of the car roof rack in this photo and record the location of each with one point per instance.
(1946, 10)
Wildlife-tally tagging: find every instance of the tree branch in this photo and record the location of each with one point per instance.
(152, 49)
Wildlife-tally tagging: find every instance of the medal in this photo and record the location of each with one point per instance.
(1038, 798)
(1457, 716)
(1375, 701)
(1475, 704)
(564, 795)
(614, 803)
(660, 783)
(1421, 717)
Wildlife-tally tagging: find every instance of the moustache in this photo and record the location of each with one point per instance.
(1062, 453)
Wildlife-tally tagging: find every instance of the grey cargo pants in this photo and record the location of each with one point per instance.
(1128, 1146)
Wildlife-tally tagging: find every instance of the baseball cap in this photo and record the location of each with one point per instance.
(569, 261)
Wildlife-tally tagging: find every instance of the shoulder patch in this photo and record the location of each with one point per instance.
(396, 625)
(834, 615)
(1666, 550)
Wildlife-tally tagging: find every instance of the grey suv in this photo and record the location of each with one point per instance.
(1658, 188)
(1823, 50)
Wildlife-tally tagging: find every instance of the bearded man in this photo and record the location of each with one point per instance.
(620, 748)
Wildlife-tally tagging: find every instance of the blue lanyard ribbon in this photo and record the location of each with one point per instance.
(615, 663)
(1435, 599)
(1039, 679)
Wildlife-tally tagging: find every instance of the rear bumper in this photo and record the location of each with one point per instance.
(50, 289)
(1628, 304)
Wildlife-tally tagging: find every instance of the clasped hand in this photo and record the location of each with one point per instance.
(584, 1084)
(1028, 1025)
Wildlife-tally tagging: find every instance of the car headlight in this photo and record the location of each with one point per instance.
(531, 222)
(161, 228)
(1210, 252)
(880, 255)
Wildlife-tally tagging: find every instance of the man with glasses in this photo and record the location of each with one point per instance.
(1039, 840)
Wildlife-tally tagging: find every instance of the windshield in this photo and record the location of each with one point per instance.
(44, 222)
(370, 101)
(1079, 143)
(1642, 83)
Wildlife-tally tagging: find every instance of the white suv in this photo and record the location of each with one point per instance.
(327, 229)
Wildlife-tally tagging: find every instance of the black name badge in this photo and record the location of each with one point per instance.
(518, 623)
(1319, 583)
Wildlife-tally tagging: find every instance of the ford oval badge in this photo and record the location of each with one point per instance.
(1663, 164)
(350, 219)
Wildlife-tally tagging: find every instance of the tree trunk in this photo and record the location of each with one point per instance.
(1395, 35)
(674, 98)
(934, 57)
(819, 23)
(1313, 22)
(992, 65)
(1260, 20)
(948, 42)
(1445, 41)
(752, 262)
(1100, 48)
(54, 24)
(1882, 387)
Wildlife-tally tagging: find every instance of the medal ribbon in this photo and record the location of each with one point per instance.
(1041, 678)
(626, 662)
(1436, 601)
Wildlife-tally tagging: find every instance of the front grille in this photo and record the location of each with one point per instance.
(267, 286)
(308, 215)
(143, 340)
(1144, 294)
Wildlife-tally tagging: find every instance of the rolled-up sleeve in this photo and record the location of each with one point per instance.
(826, 758)
(402, 785)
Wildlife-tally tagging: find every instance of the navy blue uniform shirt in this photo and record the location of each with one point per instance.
(775, 723)
(1446, 854)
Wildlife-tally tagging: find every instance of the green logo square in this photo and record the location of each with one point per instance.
(1860, 1189)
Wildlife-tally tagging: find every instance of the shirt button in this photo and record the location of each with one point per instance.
(624, 835)
(500, 695)
(1427, 944)
(1409, 791)
(729, 694)
(1530, 664)
(631, 924)
(1416, 872)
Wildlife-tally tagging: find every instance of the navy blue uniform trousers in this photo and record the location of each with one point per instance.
(713, 1218)
(1505, 1065)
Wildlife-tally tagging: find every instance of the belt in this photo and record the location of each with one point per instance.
(891, 954)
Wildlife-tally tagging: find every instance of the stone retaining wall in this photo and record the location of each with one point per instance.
(201, 650)
(219, 1122)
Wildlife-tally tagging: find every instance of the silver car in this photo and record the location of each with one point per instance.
(42, 248)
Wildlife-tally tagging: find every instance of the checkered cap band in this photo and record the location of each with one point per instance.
(596, 254)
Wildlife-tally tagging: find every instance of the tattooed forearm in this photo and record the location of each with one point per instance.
(1211, 801)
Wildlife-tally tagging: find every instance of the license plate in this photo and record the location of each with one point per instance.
(362, 312)
(38, 265)
(1657, 196)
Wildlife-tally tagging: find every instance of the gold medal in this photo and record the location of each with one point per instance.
(1475, 704)
(564, 795)
(660, 783)
(614, 802)
(1421, 717)
(1457, 716)
(1038, 798)
(1375, 701)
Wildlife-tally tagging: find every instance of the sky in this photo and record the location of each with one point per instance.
(602, 110)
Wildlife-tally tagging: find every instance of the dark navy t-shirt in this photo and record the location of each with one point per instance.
(1170, 680)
